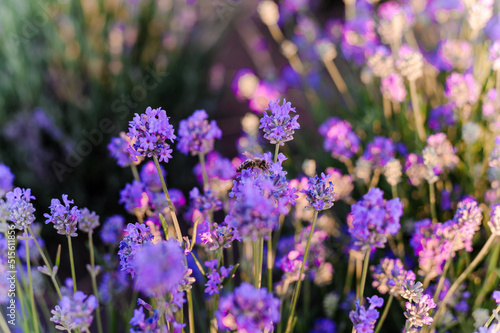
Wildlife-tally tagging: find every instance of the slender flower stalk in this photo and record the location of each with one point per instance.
(206, 180)
(480, 256)
(432, 201)
(170, 205)
(419, 121)
(190, 311)
(133, 167)
(363, 275)
(72, 263)
(93, 276)
(3, 325)
(32, 295)
(384, 314)
(296, 294)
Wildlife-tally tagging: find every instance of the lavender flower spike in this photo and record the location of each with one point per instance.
(74, 312)
(89, 221)
(320, 193)
(279, 127)
(63, 216)
(364, 319)
(20, 208)
(151, 130)
(197, 135)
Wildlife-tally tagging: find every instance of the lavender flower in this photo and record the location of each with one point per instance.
(197, 135)
(22, 212)
(149, 176)
(340, 140)
(205, 202)
(441, 116)
(74, 312)
(379, 151)
(465, 223)
(151, 130)
(364, 319)
(120, 149)
(214, 283)
(290, 264)
(461, 89)
(6, 179)
(374, 219)
(390, 275)
(392, 172)
(320, 194)
(140, 323)
(415, 169)
(89, 221)
(219, 237)
(494, 222)
(342, 183)
(445, 153)
(137, 235)
(324, 325)
(358, 36)
(111, 230)
(417, 314)
(248, 310)
(393, 87)
(263, 93)
(157, 277)
(410, 63)
(279, 127)
(134, 197)
(63, 216)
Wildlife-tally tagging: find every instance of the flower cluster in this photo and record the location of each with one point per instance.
(278, 126)
(156, 277)
(374, 219)
(390, 275)
(320, 193)
(364, 319)
(149, 176)
(417, 314)
(22, 212)
(340, 140)
(151, 130)
(215, 279)
(206, 202)
(64, 217)
(220, 236)
(136, 236)
(248, 309)
(89, 221)
(74, 312)
(112, 229)
(135, 197)
(120, 148)
(379, 151)
(197, 135)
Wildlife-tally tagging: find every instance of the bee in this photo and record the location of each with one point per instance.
(253, 163)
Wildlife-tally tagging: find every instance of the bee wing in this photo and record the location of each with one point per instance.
(248, 155)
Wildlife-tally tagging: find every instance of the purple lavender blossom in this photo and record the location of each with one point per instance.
(134, 196)
(390, 275)
(119, 148)
(445, 152)
(496, 296)
(219, 237)
(358, 38)
(149, 176)
(112, 229)
(248, 310)
(217, 167)
(461, 89)
(393, 87)
(415, 169)
(263, 93)
(88, 221)
(465, 223)
(6, 179)
(320, 193)
(215, 279)
(441, 116)
(374, 219)
(278, 126)
(151, 130)
(418, 314)
(22, 212)
(74, 312)
(140, 323)
(112, 283)
(323, 325)
(137, 236)
(290, 264)
(204, 202)
(64, 217)
(379, 151)
(364, 319)
(157, 277)
(197, 135)
(340, 140)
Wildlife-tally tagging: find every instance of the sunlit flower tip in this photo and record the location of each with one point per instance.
(390, 275)
(197, 135)
(278, 126)
(156, 277)
(320, 193)
(89, 221)
(151, 130)
(417, 314)
(74, 312)
(64, 217)
(22, 212)
(412, 290)
(248, 309)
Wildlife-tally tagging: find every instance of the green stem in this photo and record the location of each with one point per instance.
(299, 282)
(432, 200)
(384, 314)
(276, 152)
(461, 278)
(443, 275)
(490, 320)
(206, 181)
(270, 262)
(375, 178)
(363, 276)
(170, 205)
(46, 262)
(3, 325)
(419, 121)
(133, 167)
(32, 295)
(72, 263)
(94, 282)
(190, 311)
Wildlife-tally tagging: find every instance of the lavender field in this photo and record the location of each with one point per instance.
(250, 166)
